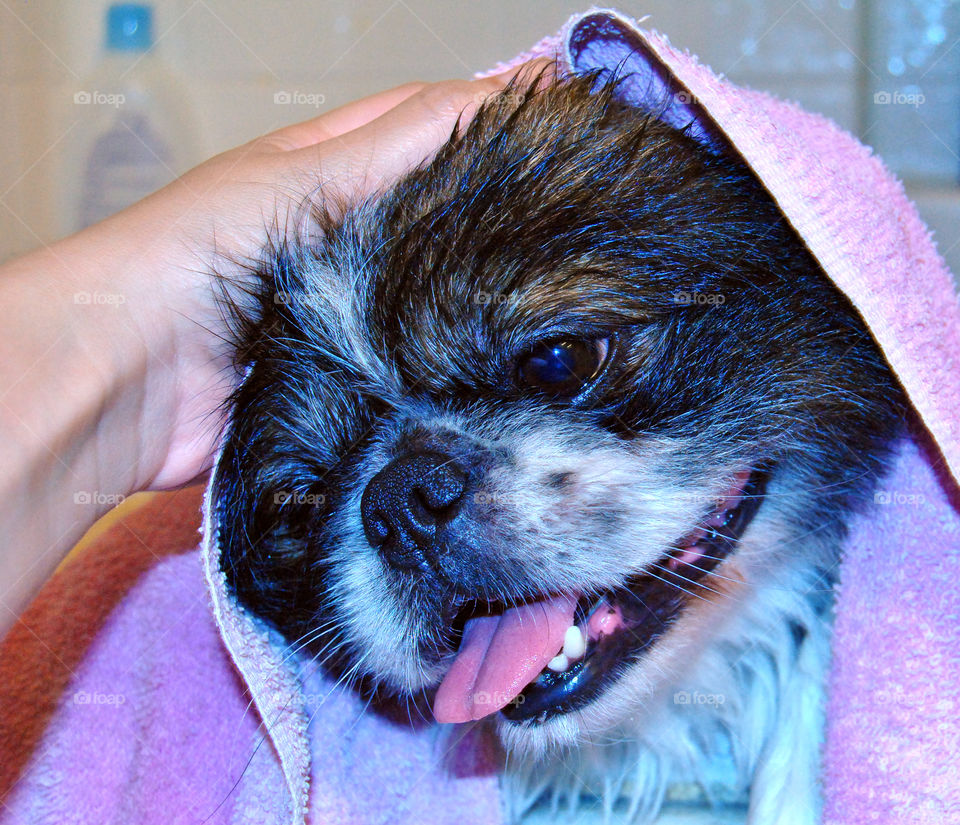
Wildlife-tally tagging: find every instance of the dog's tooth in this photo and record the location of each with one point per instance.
(574, 645)
(559, 663)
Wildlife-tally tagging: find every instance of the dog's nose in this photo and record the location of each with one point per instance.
(407, 502)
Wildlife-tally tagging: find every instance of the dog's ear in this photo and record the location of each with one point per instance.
(607, 44)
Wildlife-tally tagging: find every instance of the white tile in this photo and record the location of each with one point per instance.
(917, 129)
(741, 37)
(939, 207)
(915, 59)
(30, 43)
(914, 42)
(238, 54)
(27, 177)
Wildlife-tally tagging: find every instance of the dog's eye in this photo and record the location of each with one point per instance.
(562, 366)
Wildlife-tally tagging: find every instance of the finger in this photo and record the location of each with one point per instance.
(371, 156)
(338, 121)
(353, 115)
(542, 70)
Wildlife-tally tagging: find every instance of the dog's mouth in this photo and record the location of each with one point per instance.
(558, 653)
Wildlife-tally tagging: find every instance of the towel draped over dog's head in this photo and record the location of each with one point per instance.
(893, 718)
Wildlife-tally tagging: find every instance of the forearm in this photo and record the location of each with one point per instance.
(73, 370)
(114, 355)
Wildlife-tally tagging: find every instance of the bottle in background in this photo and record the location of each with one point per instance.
(136, 130)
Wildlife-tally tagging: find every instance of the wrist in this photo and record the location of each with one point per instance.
(72, 379)
(75, 365)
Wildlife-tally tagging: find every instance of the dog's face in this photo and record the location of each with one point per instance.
(576, 371)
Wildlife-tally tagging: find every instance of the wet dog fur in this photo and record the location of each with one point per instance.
(398, 327)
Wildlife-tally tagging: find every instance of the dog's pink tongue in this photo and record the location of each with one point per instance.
(500, 655)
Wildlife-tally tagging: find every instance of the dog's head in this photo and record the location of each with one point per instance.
(576, 371)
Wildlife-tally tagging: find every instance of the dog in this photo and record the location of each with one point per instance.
(562, 433)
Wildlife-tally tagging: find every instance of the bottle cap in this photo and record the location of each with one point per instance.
(129, 27)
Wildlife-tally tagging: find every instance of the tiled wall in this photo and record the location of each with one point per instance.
(914, 58)
(236, 55)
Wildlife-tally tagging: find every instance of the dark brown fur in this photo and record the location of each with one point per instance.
(554, 213)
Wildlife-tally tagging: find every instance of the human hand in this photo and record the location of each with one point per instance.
(217, 215)
(113, 361)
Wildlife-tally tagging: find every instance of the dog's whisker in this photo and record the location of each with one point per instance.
(492, 377)
(699, 584)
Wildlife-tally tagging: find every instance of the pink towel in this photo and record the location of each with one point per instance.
(183, 742)
(893, 736)
(137, 714)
